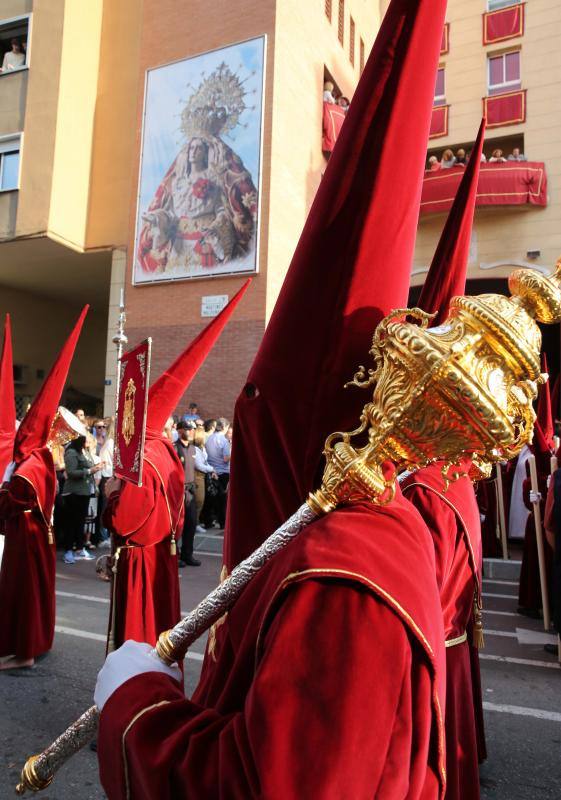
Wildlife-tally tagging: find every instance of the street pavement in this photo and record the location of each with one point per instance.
(521, 685)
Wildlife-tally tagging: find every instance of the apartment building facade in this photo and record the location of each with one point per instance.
(501, 58)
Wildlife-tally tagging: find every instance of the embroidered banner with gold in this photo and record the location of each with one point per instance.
(130, 419)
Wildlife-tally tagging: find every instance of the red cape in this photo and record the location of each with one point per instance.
(452, 516)
(27, 577)
(145, 597)
(332, 657)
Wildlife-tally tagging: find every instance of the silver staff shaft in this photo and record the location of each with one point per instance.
(39, 771)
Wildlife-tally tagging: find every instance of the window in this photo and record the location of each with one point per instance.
(328, 9)
(9, 162)
(494, 5)
(352, 41)
(503, 72)
(361, 56)
(14, 36)
(341, 22)
(440, 88)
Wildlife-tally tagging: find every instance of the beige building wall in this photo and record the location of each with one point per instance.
(503, 236)
(306, 42)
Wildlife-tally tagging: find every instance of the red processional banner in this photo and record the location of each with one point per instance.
(445, 44)
(439, 122)
(505, 109)
(503, 24)
(333, 118)
(130, 417)
(512, 183)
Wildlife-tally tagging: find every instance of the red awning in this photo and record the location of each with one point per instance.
(445, 44)
(333, 118)
(503, 24)
(439, 122)
(513, 183)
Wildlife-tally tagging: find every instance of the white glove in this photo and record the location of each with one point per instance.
(482, 517)
(131, 659)
(9, 472)
(535, 497)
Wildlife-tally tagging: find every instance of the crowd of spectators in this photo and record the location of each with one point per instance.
(460, 158)
(85, 465)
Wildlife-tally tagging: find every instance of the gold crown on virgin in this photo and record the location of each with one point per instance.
(216, 106)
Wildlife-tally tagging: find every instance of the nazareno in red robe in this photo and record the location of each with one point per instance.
(144, 520)
(529, 589)
(328, 679)
(27, 577)
(452, 517)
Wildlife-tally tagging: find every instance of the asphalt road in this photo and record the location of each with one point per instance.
(523, 697)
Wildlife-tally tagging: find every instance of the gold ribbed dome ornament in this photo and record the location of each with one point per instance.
(462, 389)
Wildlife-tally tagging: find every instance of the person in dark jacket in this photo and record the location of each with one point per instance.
(78, 488)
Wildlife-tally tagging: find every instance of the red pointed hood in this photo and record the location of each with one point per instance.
(351, 267)
(168, 390)
(555, 399)
(35, 426)
(7, 400)
(542, 450)
(447, 275)
(544, 414)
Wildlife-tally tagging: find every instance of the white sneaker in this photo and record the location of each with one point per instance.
(200, 529)
(83, 555)
(69, 557)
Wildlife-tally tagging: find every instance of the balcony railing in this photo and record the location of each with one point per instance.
(514, 183)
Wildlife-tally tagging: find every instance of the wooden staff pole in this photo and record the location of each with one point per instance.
(539, 542)
(501, 505)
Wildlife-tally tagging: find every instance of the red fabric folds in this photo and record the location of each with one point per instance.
(166, 392)
(282, 697)
(333, 118)
(145, 594)
(351, 267)
(447, 275)
(35, 426)
(439, 122)
(7, 400)
(505, 109)
(510, 184)
(503, 24)
(27, 577)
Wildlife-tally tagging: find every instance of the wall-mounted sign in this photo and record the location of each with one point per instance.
(212, 304)
(198, 200)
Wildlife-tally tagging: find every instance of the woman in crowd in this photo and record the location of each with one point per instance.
(448, 159)
(78, 488)
(202, 469)
(106, 457)
(497, 156)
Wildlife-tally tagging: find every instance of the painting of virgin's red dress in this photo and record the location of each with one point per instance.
(200, 218)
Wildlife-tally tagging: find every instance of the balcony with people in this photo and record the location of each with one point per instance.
(507, 177)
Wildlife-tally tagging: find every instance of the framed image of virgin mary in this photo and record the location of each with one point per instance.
(200, 163)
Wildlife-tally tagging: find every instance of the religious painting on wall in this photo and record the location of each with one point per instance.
(198, 202)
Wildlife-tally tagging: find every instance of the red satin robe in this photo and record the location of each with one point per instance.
(145, 598)
(27, 577)
(452, 517)
(328, 681)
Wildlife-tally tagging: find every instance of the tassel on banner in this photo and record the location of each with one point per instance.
(478, 638)
(51, 537)
(172, 546)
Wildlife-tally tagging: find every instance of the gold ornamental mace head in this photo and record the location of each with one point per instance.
(462, 389)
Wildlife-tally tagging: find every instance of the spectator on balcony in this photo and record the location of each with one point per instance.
(516, 155)
(434, 164)
(14, 58)
(448, 159)
(461, 159)
(328, 96)
(497, 157)
(343, 102)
